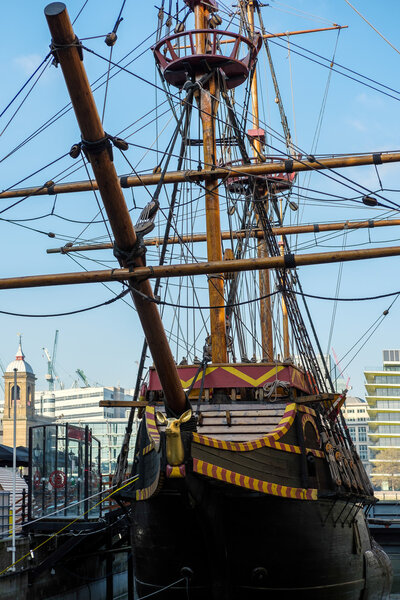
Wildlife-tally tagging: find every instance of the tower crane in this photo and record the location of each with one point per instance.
(51, 371)
(341, 371)
(83, 377)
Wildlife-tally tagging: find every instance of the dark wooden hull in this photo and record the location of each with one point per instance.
(243, 545)
(277, 516)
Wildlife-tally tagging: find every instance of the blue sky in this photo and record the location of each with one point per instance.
(105, 343)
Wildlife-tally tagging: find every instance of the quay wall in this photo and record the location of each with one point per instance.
(99, 574)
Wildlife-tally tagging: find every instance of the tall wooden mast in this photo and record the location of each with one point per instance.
(208, 106)
(267, 342)
(67, 51)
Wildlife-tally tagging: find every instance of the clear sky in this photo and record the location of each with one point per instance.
(106, 342)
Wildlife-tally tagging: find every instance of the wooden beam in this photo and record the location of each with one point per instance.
(97, 147)
(316, 398)
(300, 32)
(236, 235)
(267, 168)
(127, 403)
(285, 34)
(205, 268)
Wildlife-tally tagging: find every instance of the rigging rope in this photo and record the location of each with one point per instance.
(129, 482)
(335, 305)
(374, 28)
(25, 84)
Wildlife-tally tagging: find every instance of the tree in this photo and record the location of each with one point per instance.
(387, 469)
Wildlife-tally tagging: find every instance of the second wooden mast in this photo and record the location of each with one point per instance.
(208, 98)
(267, 341)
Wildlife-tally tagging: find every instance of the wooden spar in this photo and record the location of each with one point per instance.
(267, 168)
(227, 235)
(201, 268)
(208, 105)
(67, 52)
(267, 36)
(267, 343)
(286, 34)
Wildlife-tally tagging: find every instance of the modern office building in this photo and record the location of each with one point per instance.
(110, 432)
(355, 411)
(383, 396)
(76, 403)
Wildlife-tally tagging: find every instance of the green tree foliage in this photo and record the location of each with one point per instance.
(387, 471)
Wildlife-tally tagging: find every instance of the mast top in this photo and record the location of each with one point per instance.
(55, 8)
(211, 5)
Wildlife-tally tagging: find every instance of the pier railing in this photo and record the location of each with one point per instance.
(388, 495)
(64, 473)
(6, 516)
(109, 504)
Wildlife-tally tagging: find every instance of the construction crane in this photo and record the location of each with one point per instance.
(83, 377)
(51, 374)
(341, 371)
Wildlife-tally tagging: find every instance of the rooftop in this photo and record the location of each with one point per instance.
(19, 363)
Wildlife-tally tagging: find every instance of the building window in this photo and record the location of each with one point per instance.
(387, 404)
(362, 434)
(363, 451)
(387, 379)
(352, 431)
(18, 393)
(387, 391)
(391, 355)
(390, 429)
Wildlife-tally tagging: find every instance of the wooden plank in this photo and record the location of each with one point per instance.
(207, 414)
(269, 465)
(260, 430)
(316, 398)
(244, 406)
(128, 403)
(233, 437)
(239, 421)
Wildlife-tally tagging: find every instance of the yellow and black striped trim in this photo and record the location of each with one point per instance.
(151, 425)
(146, 493)
(273, 489)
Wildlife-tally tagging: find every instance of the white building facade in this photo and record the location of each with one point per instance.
(355, 411)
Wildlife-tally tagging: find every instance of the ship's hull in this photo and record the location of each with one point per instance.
(244, 545)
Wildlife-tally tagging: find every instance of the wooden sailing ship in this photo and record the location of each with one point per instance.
(248, 483)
